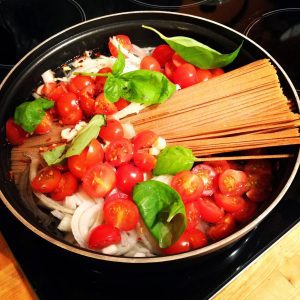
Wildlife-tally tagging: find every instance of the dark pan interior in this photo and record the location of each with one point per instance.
(94, 34)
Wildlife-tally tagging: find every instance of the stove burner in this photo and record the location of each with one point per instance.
(278, 31)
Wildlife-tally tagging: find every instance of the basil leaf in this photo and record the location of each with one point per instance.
(197, 53)
(174, 159)
(113, 88)
(55, 155)
(29, 114)
(119, 64)
(162, 210)
(86, 135)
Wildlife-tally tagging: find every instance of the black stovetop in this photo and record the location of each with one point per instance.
(56, 274)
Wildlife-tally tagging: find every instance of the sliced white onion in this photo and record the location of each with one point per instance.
(110, 250)
(48, 76)
(128, 241)
(65, 223)
(141, 52)
(57, 214)
(39, 89)
(132, 108)
(129, 131)
(163, 178)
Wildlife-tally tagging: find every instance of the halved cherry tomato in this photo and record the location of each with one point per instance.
(233, 182)
(79, 82)
(209, 211)
(68, 109)
(119, 152)
(87, 104)
(15, 134)
(169, 70)
(121, 213)
(229, 203)
(47, 89)
(150, 63)
(101, 80)
(54, 90)
(117, 195)
(90, 156)
(103, 106)
(121, 103)
(45, 125)
(208, 176)
(193, 214)
(185, 75)
(220, 166)
(178, 60)
(127, 177)
(217, 72)
(113, 130)
(197, 238)
(46, 180)
(144, 160)
(123, 40)
(203, 75)
(144, 140)
(99, 180)
(246, 213)
(103, 236)
(67, 186)
(188, 185)
(260, 187)
(222, 229)
(163, 53)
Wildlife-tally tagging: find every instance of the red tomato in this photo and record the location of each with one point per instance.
(150, 63)
(144, 140)
(203, 74)
(229, 203)
(185, 75)
(55, 92)
(163, 53)
(45, 125)
(48, 88)
(125, 42)
(79, 82)
(188, 185)
(90, 156)
(178, 60)
(117, 195)
(103, 106)
(197, 238)
(100, 80)
(99, 180)
(217, 71)
(103, 236)
(180, 246)
(67, 186)
(246, 213)
(87, 104)
(208, 176)
(169, 70)
(119, 152)
(260, 187)
(121, 103)
(233, 182)
(121, 213)
(46, 180)
(209, 211)
(127, 177)
(68, 109)
(15, 134)
(220, 166)
(222, 229)
(193, 214)
(144, 161)
(113, 130)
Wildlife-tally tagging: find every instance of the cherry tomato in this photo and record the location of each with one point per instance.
(119, 152)
(209, 211)
(220, 166)
(103, 106)
(169, 70)
(101, 80)
(193, 214)
(217, 72)
(123, 40)
(87, 104)
(90, 156)
(233, 182)
(121, 213)
(117, 195)
(188, 185)
(144, 161)
(46, 180)
(144, 140)
(163, 54)
(15, 134)
(127, 177)
(246, 213)
(260, 187)
(180, 246)
(197, 238)
(203, 75)
(121, 103)
(45, 125)
(113, 130)
(185, 75)
(150, 63)
(229, 203)
(68, 109)
(222, 229)
(208, 176)
(178, 60)
(99, 180)
(67, 186)
(79, 82)
(103, 236)
(54, 90)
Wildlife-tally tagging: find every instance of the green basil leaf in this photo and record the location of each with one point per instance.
(162, 210)
(174, 159)
(29, 114)
(55, 155)
(86, 135)
(197, 53)
(113, 88)
(119, 64)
